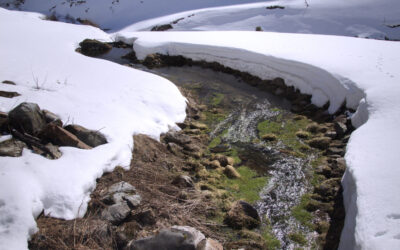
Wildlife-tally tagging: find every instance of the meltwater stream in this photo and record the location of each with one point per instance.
(246, 107)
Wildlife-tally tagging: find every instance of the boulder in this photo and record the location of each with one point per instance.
(27, 118)
(116, 213)
(11, 148)
(8, 82)
(121, 186)
(90, 137)
(183, 181)
(182, 238)
(231, 172)
(8, 94)
(320, 142)
(4, 121)
(51, 117)
(59, 136)
(242, 215)
(91, 47)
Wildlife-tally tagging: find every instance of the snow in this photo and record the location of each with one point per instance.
(94, 93)
(362, 72)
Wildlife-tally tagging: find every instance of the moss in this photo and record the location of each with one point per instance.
(213, 118)
(298, 238)
(300, 213)
(215, 142)
(245, 188)
(284, 130)
(216, 99)
(235, 155)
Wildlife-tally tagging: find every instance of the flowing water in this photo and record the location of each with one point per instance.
(245, 107)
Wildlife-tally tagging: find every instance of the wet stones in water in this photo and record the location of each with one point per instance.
(91, 47)
(242, 215)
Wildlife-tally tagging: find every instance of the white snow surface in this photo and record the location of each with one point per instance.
(39, 56)
(364, 73)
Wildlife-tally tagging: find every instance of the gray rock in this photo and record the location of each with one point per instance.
(90, 137)
(12, 148)
(121, 187)
(59, 136)
(169, 239)
(133, 200)
(209, 244)
(116, 213)
(51, 117)
(340, 128)
(3, 123)
(27, 117)
(54, 150)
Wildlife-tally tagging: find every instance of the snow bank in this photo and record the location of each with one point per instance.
(367, 18)
(362, 72)
(39, 56)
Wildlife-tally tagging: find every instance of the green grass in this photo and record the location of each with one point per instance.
(216, 99)
(300, 213)
(234, 154)
(215, 142)
(285, 130)
(247, 187)
(298, 238)
(212, 118)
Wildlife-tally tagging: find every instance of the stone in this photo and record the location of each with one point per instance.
(177, 137)
(183, 181)
(209, 244)
(231, 172)
(198, 125)
(92, 138)
(269, 137)
(61, 137)
(121, 187)
(162, 27)
(132, 200)
(328, 188)
(242, 215)
(91, 47)
(153, 61)
(11, 148)
(181, 238)
(54, 150)
(4, 122)
(116, 213)
(340, 128)
(51, 117)
(8, 94)
(320, 142)
(27, 118)
(8, 82)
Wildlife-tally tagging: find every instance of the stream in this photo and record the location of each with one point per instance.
(244, 107)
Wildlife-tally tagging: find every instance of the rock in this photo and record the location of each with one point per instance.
(220, 148)
(320, 142)
(27, 118)
(174, 148)
(182, 238)
(340, 128)
(278, 82)
(153, 61)
(116, 213)
(192, 131)
(54, 150)
(146, 217)
(242, 214)
(324, 170)
(4, 122)
(132, 200)
(302, 134)
(162, 27)
(90, 137)
(59, 136)
(209, 244)
(177, 137)
(269, 137)
(183, 181)
(121, 187)
(11, 148)
(328, 188)
(51, 117)
(91, 47)
(8, 82)
(8, 94)
(198, 125)
(231, 172)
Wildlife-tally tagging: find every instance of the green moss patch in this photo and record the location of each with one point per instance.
(300, 213)
(216, 99)
(298, 238)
